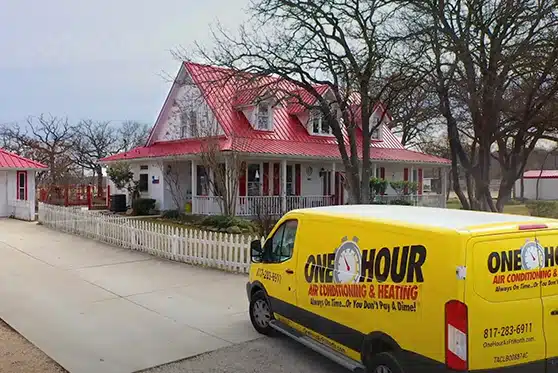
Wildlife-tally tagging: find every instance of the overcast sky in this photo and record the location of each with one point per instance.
(98, 59)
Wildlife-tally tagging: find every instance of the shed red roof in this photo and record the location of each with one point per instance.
(288, 136)
(545, 174)
(14, 161)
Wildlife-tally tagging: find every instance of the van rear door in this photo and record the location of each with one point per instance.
(548, 243)
(503, 298)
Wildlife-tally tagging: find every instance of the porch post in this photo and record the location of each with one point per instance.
(332, 180)
(374, 168)
(284, 185)
(444, 186)
(194, 185)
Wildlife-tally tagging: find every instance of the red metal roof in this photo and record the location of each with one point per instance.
(288, 137)
(14, 161)
(546, 174)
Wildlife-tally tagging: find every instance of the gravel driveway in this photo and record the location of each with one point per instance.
(264, 355)
(18, 355)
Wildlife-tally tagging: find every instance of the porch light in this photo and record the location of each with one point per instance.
(257, 174)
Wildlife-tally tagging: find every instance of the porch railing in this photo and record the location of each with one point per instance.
(256, 205)
(273, 205)
(426, 200)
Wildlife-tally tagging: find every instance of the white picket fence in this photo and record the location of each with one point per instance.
(212, 249)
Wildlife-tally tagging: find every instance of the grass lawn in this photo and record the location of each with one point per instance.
(514, 209)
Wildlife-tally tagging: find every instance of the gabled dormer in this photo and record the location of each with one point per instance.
(258, 107)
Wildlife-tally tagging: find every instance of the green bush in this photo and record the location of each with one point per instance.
(172, 214)
(224, 222)
(143, 206)
(544, 209)
(401, 202)
(378, 186)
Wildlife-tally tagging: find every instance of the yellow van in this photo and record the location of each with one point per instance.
(393, 289)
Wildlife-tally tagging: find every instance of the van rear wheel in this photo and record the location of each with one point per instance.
(260, 313)
(384, 362)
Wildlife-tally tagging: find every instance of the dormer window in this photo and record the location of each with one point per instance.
(317, 125)
(263, 116)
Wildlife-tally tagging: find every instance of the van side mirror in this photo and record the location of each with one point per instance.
(256, 251)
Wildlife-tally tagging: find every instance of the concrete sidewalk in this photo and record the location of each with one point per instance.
(95, 308)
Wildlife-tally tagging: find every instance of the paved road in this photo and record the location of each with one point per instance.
(95, 308)
(264, 355)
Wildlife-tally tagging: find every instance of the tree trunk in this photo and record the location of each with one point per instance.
(99, 172)
(522, 189)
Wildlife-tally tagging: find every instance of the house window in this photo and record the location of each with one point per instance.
(290, 181)
(263, 117)
(143, 183)
(189, 124)
(202, 181)
(326, 184)
(254, 179)
(144, 167)
(318, 125)
(415, 175)
(22, 185)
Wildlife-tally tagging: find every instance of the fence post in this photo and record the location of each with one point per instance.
(66, 196)
(107, 197)
(89, 199)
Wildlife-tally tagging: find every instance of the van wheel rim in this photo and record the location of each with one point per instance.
(262, 313)
(382, 369)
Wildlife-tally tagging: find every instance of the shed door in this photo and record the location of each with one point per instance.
(4, 210)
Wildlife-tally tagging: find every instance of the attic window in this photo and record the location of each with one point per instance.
(263, 116)
(189, 124)
(376, 133)
(317, 125)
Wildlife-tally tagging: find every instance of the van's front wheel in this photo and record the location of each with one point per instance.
(260, 313)
(383, 362)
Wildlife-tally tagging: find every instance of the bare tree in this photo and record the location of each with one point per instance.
(496, 62)
(95, 140)
(132, 134)
(49, 140)
(338, 44)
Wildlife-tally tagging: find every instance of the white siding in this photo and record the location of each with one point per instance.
(548, 188)
(4, 211)
(155, 191)
(183, 172)
(185, 97)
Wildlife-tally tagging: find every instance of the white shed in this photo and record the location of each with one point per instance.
(17, 185)
(547, 184)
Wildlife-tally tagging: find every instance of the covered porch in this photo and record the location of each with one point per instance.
(274, 186)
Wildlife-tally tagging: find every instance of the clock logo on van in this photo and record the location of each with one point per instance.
(348, 261)
(532, 255)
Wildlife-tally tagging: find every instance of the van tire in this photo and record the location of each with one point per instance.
(385, 360)
(260, 313)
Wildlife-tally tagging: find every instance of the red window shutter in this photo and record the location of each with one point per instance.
(406, 178)
(298, 179)
(276, 178)
(419, 181)
(242, 180)
(266, 179)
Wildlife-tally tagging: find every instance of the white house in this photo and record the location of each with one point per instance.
(547, 184)
(17, 185)
(291, 156)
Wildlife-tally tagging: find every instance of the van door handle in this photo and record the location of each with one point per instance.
(554, 312)
(289, 271)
